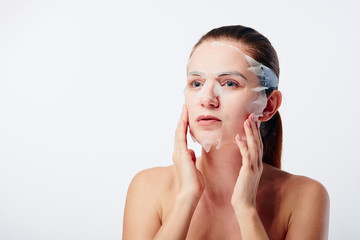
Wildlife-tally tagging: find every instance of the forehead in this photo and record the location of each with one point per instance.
(218, 55)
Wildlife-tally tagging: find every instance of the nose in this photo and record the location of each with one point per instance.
(210, 95)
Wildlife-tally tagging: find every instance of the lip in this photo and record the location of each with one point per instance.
(207, 120)
(207, 117)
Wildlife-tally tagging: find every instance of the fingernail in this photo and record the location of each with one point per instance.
(238, 137)
(183, 110)
(252, 117)
(248, 123)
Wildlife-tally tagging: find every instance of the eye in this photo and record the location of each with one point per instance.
(196, 84)
(230, 83)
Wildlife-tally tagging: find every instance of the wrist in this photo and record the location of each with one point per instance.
(188, 197)
(193, 193)
(244, 210)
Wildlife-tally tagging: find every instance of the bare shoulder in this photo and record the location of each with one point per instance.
(154, 174)
(306, 202)
(144, 208)
(304, 190)
(154, 179)
(296, 187)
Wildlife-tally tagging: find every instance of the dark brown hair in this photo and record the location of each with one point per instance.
(259, 48)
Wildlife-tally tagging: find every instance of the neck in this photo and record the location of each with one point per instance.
(220, 169)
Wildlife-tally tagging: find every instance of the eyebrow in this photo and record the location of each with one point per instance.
(218, 74)
(236, 73)
(197, 73)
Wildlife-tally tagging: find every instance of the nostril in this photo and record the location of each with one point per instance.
(211, 102)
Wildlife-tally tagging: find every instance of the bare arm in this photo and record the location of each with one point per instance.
(309, 199)
(142, 219)
(191, 186)
(178, 221)
(244, 196)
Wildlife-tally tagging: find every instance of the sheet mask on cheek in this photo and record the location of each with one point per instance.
(214, 91)
(210, 91)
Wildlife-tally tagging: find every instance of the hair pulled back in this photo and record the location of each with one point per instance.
(260, 49)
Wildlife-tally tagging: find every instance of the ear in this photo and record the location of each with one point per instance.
(273, 104)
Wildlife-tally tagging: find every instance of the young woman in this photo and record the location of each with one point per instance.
(235, 189)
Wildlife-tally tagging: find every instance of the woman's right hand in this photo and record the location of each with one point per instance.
(190, 179)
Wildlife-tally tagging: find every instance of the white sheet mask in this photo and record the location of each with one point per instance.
(210, 90)
(266, 76)
(267, 79)
(214, 91)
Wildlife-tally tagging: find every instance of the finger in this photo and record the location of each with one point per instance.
(255, 129)
(244, 151)
(260, 149)
(257, 137)
(251, 141)
(260, 154)
(185, 118)
(181, 130)
(193, 156)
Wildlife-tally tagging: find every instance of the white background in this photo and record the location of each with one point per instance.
(91, 91)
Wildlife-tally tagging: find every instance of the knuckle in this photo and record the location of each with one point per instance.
(261, 167)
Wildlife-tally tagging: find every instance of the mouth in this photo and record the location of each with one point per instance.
(206, 120)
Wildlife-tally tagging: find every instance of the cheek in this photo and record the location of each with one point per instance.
(233, 123)
(189, 99)
(234, 120)
(237, 106)
(234, 107)
(236, 110)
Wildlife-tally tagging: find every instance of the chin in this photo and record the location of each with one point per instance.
(208, 138)
(200, 134)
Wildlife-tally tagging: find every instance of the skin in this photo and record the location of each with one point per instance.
(227, 193)
(210, 59)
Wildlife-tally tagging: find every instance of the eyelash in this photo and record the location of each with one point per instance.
(230, 81)
(192, 83)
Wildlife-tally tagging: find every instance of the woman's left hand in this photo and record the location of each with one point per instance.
(244, 194)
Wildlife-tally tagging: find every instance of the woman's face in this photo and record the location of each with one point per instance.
(219, 92)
